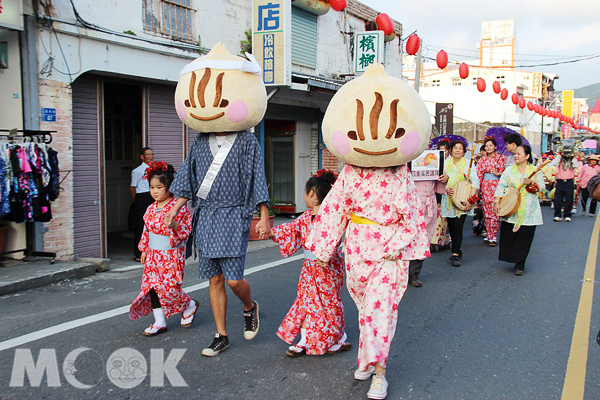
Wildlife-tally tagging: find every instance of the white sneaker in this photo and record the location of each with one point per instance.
(364, 375)
(557, 219)
(568, 219)
(379, 385)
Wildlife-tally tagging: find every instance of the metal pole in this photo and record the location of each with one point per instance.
(418, 68)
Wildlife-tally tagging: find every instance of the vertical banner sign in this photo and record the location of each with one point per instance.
(444, 118)
(272, 40)
(368, 49)
(536, 87)
(567, 102)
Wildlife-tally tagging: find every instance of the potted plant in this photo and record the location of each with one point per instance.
(256, 218)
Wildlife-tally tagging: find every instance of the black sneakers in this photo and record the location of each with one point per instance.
(252, 322)
(220, 343)
(455, 261)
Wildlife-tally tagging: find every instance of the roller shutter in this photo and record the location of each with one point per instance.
(165, 129)
(304, 38)
(88, 227)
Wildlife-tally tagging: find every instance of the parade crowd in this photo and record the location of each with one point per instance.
(372, 225)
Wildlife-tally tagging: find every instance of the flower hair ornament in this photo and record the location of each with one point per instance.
(156, 166)
(320, 173)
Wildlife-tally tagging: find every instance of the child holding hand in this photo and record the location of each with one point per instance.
(317, 313)
(163, 256)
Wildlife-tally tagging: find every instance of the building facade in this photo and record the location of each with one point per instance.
(109, 71)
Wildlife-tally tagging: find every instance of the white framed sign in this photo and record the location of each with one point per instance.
(368, 49)
(428, 166)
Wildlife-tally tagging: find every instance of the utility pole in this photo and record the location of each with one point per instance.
(418, 68)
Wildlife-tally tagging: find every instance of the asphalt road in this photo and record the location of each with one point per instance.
(474, 332)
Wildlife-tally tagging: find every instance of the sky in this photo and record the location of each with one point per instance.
(546, 31)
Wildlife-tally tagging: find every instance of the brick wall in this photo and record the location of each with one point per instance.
(59, 231)
(330, 162)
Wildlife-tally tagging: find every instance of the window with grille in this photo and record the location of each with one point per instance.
(173, 18)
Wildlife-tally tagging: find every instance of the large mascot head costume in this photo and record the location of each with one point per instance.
(376, 121)
(220, 92)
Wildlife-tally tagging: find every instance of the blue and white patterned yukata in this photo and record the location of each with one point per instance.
(221, 223)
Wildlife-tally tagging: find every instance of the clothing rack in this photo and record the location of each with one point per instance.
(35, 136)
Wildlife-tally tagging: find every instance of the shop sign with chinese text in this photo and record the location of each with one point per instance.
(368, 49)
(271, 40)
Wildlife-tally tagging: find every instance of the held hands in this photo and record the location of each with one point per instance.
(262, 228)
(262, 234)
(170, 219)
(321, 263)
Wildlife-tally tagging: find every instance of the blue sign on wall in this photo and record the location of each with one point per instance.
(48, 114)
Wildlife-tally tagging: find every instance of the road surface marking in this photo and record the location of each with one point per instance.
(574, 385)
(53, 330)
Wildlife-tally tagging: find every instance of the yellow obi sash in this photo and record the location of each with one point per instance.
(362, 221)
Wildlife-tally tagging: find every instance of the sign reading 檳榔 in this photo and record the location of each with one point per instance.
(271, 40)
(368, 49)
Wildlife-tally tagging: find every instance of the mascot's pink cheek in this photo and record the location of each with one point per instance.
(340, 142)
(410, 143)
(181, 111)
(237, 111)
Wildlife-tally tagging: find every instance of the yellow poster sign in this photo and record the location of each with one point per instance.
(567, 103)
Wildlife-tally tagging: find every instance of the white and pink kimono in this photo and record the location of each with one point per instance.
(385, 229)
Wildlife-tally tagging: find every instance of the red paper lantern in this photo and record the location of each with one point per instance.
(412, 44)
(504, 94)
(544, 112)
(522, 103)
(481, 85)
(463, 71)
(338, 5)
(496, 87)
(530, 106)
(442, 59)
(515, 98)
(384, 23)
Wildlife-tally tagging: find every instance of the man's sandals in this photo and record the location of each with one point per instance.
(186, 322)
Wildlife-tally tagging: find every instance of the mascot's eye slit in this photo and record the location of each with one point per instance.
(224, 103)
(352, 135)
(400, 132)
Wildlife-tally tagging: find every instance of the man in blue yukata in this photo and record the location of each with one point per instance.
(222, 96)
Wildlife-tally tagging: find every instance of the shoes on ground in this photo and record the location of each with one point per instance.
(519, 272)
(414, 281)
(251, 322)
(568, 219)
(364, 375)
(455, 261)
(379, 385)
(220, 343)
(493, 243)
(557, 219)
(186, 322)
(154, 330)
(296, 351)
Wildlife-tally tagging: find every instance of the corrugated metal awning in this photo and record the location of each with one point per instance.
(319, 82)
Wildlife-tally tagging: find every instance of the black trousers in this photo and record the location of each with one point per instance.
(515, 246)
(142, 201)
(585, 195)
(563, 197)
(414, 267)
(455, 228)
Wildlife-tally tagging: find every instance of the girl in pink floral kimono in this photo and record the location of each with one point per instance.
(163, 256)
(318, 312)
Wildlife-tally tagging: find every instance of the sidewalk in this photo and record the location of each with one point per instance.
(17, 275)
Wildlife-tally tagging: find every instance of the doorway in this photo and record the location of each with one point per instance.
(279, 148)
(123, 128)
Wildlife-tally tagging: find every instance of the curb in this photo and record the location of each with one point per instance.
(43, 278)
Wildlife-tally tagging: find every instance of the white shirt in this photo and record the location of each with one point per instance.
(141, 185)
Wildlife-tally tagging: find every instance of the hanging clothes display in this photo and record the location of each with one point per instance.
(29, 180)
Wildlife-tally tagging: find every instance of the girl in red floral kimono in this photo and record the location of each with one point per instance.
(489, 169)
(163, 256)
(317, 313)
